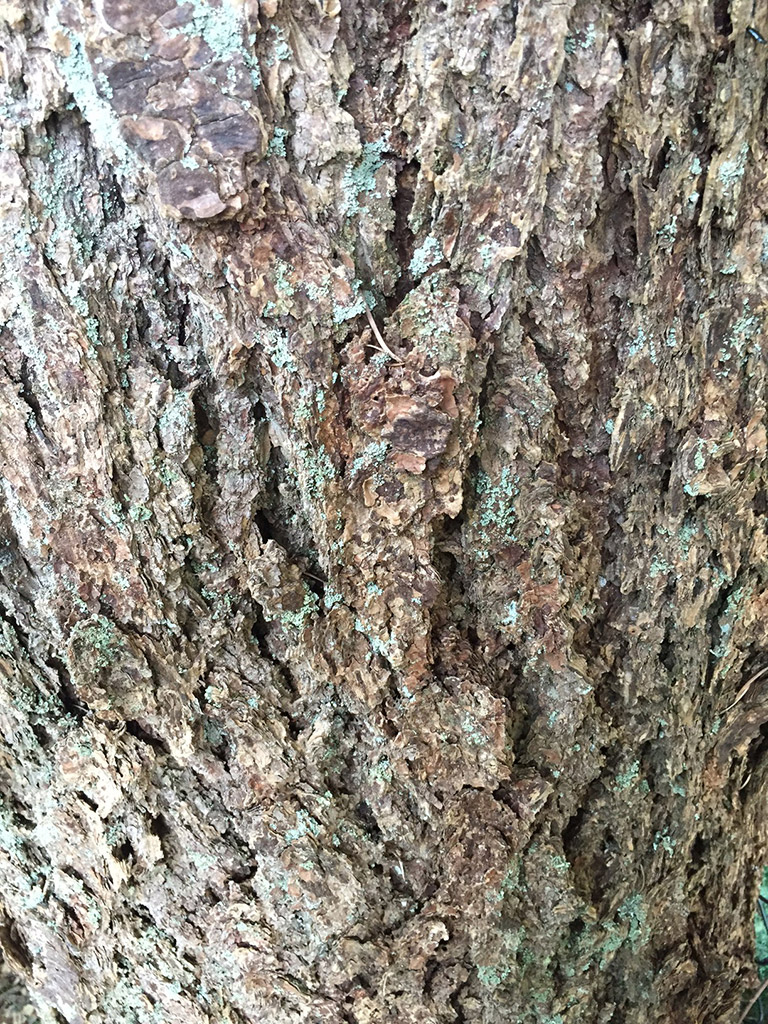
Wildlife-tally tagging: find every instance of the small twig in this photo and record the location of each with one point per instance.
(377, 333)
(312, 576)
(754, 999)
(745, 688)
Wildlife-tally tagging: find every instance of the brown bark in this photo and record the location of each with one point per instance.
(382, 426)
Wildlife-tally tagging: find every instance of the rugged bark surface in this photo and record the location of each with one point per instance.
(382, 393)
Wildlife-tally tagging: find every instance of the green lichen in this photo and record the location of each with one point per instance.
(356, 307)
(665, 841)
(374, 454)
(306, 825)
(99, 636)
(613, 941)
(317, 470)
(659, 567)
(633, 912)
(92, 330)
(487, 252)
(275, 344)
(731, 613)
(640, 342)
(685, 536)
(761, 933)
(625, 779)
(382, 772)
(203, 861)
(736, 344)
(276, 145)
(494, 513)
(332, 596)
(473, 731)
(299, 618)
(427, 255)
(493, 975)
(508, 884)
(361, 178)
(383, 647)
(280, 272)
(280, 49)
(97, 112)
(220, 27)
(511, 615)
(140, 513)
(732, 171)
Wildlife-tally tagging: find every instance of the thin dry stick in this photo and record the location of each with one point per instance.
(312, 576)
(754, 999)
(743, 691)
(377, 333)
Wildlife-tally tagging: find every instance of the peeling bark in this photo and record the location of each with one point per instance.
(382, 438)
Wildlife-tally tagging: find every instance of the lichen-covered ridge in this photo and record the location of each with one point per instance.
(382, 545)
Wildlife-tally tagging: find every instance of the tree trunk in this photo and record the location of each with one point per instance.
(382, 393)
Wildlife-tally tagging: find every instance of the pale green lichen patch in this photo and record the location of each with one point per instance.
(472, 729)
(140, 513)
(732, 171)
(310, 402)
(374, 454)
(633, 912)
(317, 470)
(643, 342)
(427, 255)
(221, 27)
(276, 145)
(737, 343)
(280, 50)
(382, 771)
(277, 347)
(511, 615)
(493, 975)
(494, 514)
(663, 840)
(299, 618)
(659, 567)
(348, 311)
(98, 113)
(99, 638)
(360, 179)
(306, 825)
(385, 648)
(625, 779)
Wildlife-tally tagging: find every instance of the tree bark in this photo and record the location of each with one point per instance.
(382, 424)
